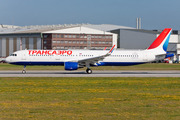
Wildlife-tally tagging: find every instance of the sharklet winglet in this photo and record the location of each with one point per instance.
(112, 49)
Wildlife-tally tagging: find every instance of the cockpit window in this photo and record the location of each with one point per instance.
(13, 55)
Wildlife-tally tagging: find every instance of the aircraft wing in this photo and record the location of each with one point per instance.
(94, 60)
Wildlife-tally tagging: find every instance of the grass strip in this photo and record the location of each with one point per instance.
(90, 98)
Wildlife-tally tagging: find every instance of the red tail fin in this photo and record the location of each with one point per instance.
(162, 38)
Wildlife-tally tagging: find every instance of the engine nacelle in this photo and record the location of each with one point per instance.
(70, 65)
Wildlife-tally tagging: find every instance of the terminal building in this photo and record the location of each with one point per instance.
(80, 36)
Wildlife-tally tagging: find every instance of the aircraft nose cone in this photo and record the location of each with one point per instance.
(7, 59)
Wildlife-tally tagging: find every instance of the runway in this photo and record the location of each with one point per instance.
(94, 74)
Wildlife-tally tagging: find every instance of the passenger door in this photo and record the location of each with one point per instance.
(145, 56)
(23, 55)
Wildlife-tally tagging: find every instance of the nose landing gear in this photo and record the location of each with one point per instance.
(24, 70)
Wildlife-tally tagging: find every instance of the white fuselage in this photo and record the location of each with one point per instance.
(58, 57)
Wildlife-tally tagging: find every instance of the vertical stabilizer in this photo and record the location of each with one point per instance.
(161, 42)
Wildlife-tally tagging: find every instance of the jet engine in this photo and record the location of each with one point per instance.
(70, 65)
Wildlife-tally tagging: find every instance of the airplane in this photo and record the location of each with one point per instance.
(75, 59)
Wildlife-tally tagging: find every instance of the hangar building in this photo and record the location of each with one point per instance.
(54, 37)
(131, 38)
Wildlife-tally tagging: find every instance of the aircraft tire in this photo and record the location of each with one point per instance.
(23, 72)
(88, 71)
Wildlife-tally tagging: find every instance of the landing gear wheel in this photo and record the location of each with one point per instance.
(23, 71)
(89, 71)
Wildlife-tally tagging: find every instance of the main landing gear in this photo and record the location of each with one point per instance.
(24, 70)
(88, 70)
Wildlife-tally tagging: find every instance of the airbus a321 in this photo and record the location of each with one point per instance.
(75, 59)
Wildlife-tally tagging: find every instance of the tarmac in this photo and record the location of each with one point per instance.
(95, 73)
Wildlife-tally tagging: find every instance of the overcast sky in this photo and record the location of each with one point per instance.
(155, 14)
